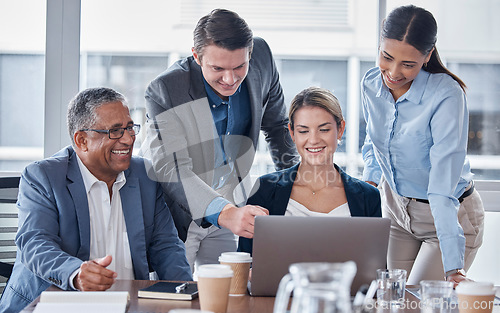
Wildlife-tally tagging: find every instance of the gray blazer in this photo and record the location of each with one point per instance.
(53, 239)
(181, 134)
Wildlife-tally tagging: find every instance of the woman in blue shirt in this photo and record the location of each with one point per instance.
(415, 151)
(316, 186)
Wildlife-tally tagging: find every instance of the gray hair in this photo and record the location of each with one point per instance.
(82, 108)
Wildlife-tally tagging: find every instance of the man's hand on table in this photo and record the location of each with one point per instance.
(94, 276)
(240, 220)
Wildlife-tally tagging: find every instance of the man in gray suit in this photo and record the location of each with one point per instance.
(205, 113)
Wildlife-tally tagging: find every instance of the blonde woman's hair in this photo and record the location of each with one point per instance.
(316, 97)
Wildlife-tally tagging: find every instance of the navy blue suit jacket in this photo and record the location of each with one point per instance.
(53, 238)
(272, 191)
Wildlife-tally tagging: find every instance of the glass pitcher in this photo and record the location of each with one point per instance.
(317, 288)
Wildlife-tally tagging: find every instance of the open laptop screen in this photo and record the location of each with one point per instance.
(282, 240)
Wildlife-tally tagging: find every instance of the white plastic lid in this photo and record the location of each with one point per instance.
(214, 270)
(475, 288)
(235, 257)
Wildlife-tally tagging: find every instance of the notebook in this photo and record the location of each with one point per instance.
(83, 302)
(282, 240)
(170, 291)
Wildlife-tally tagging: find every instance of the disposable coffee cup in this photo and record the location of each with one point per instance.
(214, 281)
(475, 297)
(240, 264)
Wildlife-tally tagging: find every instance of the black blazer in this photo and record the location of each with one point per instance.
(272, 191)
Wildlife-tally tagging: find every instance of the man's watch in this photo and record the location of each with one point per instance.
(459, 271)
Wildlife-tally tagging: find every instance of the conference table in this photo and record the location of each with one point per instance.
(238, 304)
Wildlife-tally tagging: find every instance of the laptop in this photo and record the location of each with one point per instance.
(282, 240)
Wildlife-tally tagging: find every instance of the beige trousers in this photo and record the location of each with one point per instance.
(205, 245)
(413, 242)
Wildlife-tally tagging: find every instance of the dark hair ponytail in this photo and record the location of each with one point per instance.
(436, 66)
(417, 27)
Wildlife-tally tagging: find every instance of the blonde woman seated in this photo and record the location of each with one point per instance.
(316, 186)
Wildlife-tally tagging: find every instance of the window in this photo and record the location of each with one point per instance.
(22, 81)
(333, 48)
(483, 92)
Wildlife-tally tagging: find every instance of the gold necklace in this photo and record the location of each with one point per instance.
(314, 192)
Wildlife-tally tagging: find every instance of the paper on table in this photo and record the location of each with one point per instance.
(89, 301)
(77, 307)
(84, 297)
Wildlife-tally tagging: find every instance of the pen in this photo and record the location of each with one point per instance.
(371, 291)
(358, 303)
(181, 287)
(359, 299)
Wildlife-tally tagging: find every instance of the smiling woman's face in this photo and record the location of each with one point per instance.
(400, 63)
(316, 134)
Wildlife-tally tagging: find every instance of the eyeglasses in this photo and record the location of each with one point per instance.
(117, 133)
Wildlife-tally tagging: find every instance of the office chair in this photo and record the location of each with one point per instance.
(6, 269)
(8, 226)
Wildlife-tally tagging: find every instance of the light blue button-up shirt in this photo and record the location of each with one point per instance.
(419, 144)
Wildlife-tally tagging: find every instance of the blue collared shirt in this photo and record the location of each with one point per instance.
(231, 118)
(419, 144)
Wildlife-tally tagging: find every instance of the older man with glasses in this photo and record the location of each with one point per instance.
(90, 214)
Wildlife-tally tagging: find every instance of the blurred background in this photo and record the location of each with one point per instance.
(49, 50)
(124, 44)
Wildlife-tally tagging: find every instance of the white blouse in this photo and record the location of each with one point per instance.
(294, 208)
